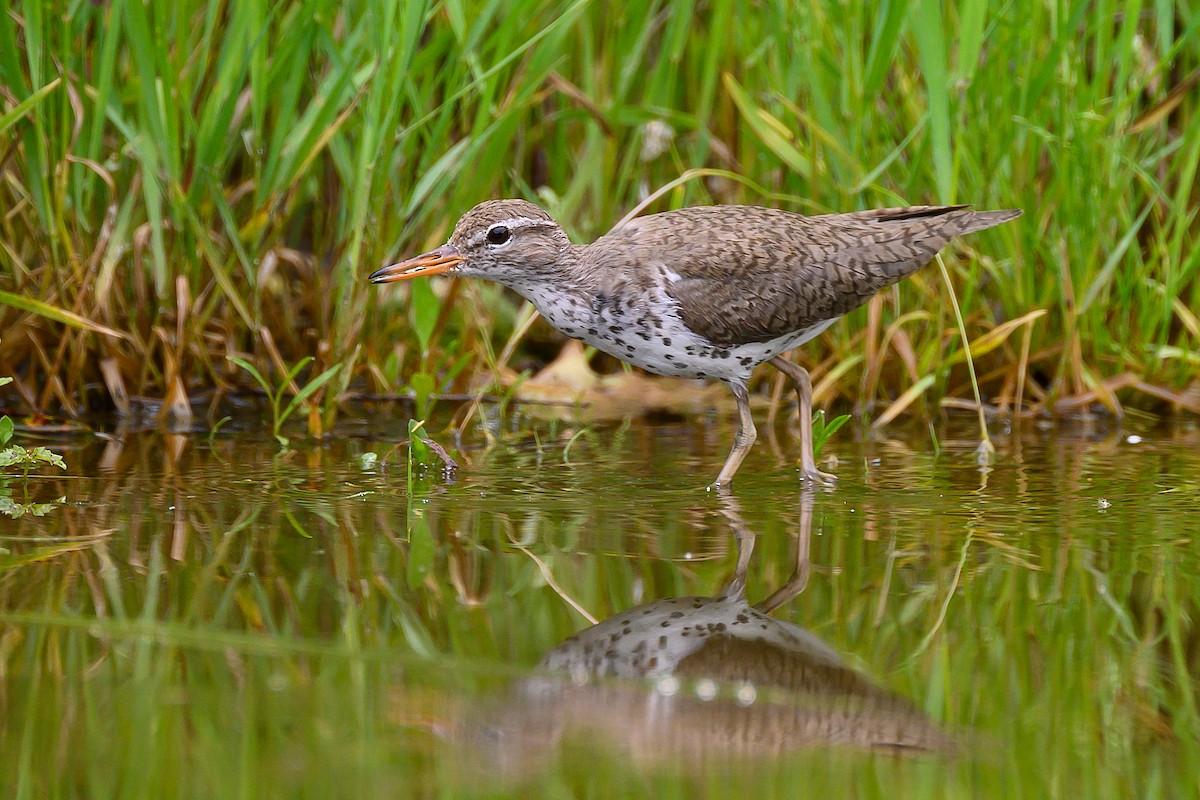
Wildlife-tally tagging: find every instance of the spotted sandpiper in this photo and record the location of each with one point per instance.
(702, 292)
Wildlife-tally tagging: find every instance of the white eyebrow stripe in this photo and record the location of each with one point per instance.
(513, 223)
(524, 222)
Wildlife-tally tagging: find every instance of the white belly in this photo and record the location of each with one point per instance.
(655, 338)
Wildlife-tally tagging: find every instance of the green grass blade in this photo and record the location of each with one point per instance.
(254, 373)
(23, 108)
(928, 27)
(55, 314)
(773, 134)
(307, 390)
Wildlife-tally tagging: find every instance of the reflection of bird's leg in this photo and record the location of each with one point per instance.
(736, 588)
(795, 584)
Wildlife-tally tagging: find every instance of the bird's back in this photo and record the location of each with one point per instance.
(745, 274)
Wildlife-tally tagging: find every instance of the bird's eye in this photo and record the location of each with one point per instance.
(498, 234)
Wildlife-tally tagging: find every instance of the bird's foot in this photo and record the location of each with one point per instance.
(815, 476)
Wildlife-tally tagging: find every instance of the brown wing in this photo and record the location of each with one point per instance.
(749, 274)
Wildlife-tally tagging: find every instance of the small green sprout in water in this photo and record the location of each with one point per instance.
(279, 411)
(420, 446)
(418, 450)
(26, 459)
(822, 431)
(566, 456)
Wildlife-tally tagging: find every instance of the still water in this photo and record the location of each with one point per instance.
(572, 614)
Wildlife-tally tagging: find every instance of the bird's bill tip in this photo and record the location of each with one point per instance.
(435, 262)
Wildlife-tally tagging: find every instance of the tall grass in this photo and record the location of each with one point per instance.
(188, 181)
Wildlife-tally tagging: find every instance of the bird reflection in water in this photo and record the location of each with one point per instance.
(690, 679)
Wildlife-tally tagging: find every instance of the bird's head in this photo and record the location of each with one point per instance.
(512, 242)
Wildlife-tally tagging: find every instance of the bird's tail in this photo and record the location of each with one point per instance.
(972, 221)
(950, 221)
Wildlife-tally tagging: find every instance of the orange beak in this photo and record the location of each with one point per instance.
(435, 262)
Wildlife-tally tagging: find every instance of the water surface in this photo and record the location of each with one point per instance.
(203, 618)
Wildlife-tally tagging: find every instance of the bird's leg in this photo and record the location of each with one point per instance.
(743, 440)
(800, 380)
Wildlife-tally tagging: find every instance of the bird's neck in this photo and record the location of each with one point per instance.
(566, 279)
(562, 292)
